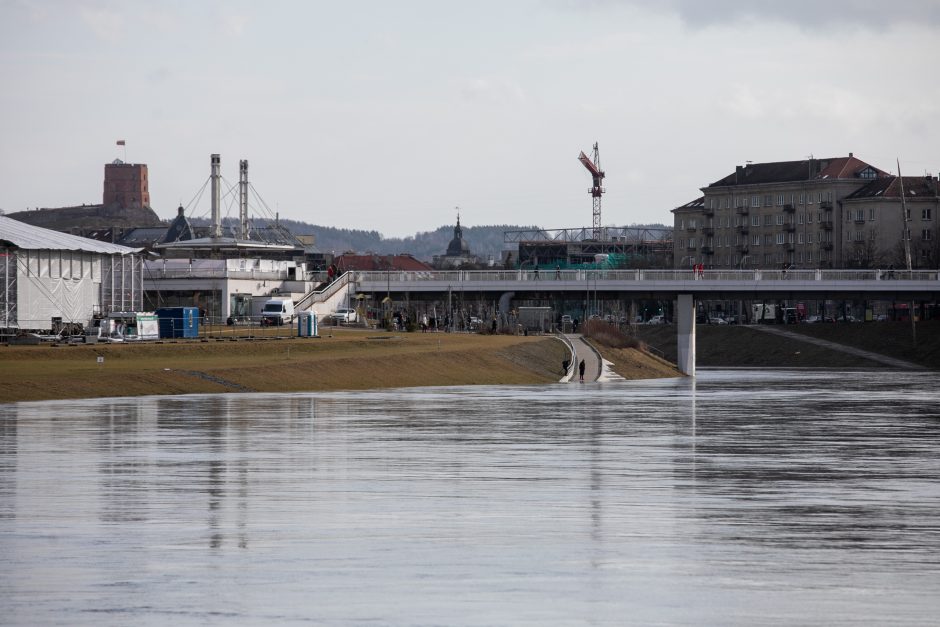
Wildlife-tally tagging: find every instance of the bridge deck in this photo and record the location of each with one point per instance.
(714, 283)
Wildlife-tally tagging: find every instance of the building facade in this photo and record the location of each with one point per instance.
(772, 215)
(876, 224)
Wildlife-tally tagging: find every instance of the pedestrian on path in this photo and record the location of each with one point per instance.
(581, 370)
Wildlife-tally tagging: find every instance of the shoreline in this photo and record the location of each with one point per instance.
(349, 360)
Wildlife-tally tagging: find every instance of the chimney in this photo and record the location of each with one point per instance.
(851, 155)
(738, 171)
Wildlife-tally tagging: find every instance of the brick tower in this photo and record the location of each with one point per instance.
(125, 184)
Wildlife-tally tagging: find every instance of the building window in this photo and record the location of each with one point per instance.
(809, 198)
(779, 220)
(809, 238)
(755, 201)
(768, 220)
(756, 240)
(871, 213)
(768, 239)
(925, 235)
(802, 199)
(728, 202)
(755, 220)
(799, 218)
(768, 200)
(925, 214)
(779, 238)
(781, 199)
(799, 238)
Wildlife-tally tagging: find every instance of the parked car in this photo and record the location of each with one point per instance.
(345, 315)
(660, 319)
(717, 320)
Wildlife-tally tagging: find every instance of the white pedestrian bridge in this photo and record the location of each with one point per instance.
(683, 286)
(869, 284)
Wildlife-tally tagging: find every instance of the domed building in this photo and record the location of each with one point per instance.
(458, 251)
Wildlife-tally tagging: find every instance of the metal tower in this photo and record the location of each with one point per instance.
(594, 167)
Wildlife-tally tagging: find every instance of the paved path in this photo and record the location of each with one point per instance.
(594, 367)
(888, 361)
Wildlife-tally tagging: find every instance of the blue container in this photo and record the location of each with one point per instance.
(178, 321)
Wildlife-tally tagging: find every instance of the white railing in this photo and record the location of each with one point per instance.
(217, 273)
(315, 296)
(550, 276)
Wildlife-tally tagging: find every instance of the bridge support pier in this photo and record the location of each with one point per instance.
(685, 319)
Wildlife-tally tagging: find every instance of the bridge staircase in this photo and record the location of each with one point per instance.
(326, 298)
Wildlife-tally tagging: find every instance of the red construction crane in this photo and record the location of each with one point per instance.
(594, 167)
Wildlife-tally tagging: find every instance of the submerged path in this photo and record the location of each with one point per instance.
(592, 361)
(851, 350)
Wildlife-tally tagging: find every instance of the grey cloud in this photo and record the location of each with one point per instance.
(810, 14)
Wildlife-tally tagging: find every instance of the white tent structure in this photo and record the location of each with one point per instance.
(48, 277)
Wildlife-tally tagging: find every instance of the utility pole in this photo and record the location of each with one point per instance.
(905, 236)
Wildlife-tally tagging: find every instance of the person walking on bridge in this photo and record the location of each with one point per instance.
(581, 370)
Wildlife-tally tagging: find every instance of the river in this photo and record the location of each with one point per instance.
(739, 498)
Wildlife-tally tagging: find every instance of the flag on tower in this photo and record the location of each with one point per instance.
(120, 142)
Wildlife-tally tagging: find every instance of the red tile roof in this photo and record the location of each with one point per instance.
(849, 167)
(367, 263)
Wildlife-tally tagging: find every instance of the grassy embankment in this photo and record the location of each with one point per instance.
(349, 360)
(741, 346)
(629, 355)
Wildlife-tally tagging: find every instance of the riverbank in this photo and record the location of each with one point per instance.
(722, 346)
(349, 360)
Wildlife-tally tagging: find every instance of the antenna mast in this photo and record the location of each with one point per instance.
(597, 175)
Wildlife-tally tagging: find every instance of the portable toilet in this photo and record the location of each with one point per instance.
(178, 321)
(307, 324)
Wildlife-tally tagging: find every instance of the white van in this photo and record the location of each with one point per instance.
(277, 311)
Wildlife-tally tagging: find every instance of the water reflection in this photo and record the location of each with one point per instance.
(737, 498)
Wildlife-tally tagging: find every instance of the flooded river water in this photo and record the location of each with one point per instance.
(741, 498)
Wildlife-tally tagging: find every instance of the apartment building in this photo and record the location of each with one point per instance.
(786, 214)
(876, 223)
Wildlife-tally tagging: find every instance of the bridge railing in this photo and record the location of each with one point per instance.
(549, 276)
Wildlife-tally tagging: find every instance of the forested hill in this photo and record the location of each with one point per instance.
(484, 241)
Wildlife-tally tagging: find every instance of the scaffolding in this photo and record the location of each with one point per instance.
(8, 300)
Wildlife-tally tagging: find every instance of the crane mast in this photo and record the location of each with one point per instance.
(597, 175)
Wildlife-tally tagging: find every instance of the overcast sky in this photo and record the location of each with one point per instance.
(387, 115)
